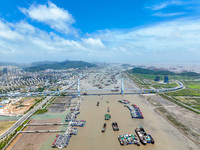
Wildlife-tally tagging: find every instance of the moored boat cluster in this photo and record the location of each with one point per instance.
(135, 111)
(62, 140)
(141, 136)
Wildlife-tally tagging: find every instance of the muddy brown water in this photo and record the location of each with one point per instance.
(90, 136)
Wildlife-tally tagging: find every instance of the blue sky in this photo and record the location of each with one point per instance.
(128, 31)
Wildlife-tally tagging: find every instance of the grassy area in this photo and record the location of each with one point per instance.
(193, 86)
(164, 96)
(40, 111)
(138, 81)
(146, 81)
(189, 96)
(185, 92)
(167, 85)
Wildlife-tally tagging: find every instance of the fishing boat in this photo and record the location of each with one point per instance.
(123, 101)
(108, 109)
(97, 103)
(115, 126)
(104, 128)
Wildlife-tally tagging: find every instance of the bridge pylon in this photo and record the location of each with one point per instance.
(78, 88)
(122, 87)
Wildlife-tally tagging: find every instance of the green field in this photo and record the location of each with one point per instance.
(146, 81)
(193, 86)
(189, 96)
(185, 92)
(168, 85)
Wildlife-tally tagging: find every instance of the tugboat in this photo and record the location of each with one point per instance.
(104, 128)
(115, 126)
(143, 136)
(97, 103)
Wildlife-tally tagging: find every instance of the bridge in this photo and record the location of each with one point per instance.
(42, 131)
(123, 90)
(47, 124)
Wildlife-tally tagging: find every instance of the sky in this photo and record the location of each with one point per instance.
(118, 31)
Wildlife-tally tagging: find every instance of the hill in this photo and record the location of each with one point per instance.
(8, 64)
(43, 63)
(61, 66)
(160, 72)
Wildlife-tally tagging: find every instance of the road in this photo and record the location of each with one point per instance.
(29, 114)
(24, 118)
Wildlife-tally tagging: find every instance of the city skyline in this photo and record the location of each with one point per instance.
(104, 31)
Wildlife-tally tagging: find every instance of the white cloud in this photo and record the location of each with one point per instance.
(162, 5)
(8, 33)
(93, 42)
(57, 18)
(168, 14)
(174, 40)
(169, 40)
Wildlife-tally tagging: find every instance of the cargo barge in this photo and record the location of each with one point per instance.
(143, 136)
(126, 139)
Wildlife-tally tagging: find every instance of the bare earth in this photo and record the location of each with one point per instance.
(32, 141)
(4, 125)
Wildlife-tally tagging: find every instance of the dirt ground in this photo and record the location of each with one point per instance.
(19, 107)
(60, 104)
(4, 125)
(32, 141)
(189, 119)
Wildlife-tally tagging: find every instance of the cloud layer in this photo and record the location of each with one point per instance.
(176, 40)
(57, 18)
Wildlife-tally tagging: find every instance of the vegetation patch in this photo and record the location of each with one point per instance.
(194, 86)
(40, 111)
(185, 92)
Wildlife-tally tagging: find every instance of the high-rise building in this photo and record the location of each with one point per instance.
(166, 79)
(157, 78)
(5, 70)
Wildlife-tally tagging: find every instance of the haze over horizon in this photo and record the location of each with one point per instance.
(100, 31)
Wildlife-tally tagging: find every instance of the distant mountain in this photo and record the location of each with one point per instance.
(162, 72)
(60, 65)
(8, 64)
(127, 65)
(43, 63)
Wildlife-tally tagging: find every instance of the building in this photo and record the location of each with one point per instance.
(5, 70)
(157, 78)
(166, 79)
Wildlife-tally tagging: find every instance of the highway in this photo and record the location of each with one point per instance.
(29, 114)
(24, 118)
